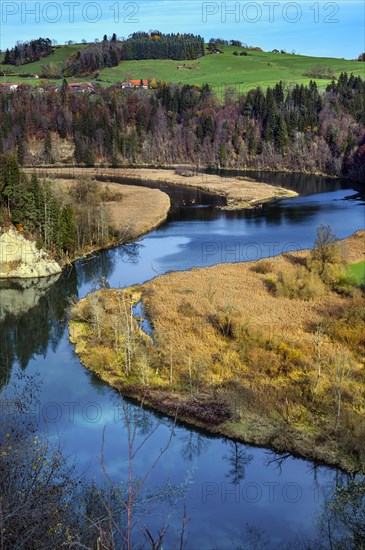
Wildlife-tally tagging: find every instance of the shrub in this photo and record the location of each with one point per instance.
(187, 309)
(263, 266)
(345, 284)
(225, 322)
(334, 274)
(326, 258)
(101, 358)
(299, 284)
(271, 284)
(82, 312)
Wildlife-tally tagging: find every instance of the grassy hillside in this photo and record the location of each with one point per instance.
(58, 57)
(220, 70)
(244, 72)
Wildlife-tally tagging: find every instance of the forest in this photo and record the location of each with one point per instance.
(62, 223)
(28, 52)
(298, 128)
(35, 207)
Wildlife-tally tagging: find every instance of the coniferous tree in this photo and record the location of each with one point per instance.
(48, 148)
(269, 127)
(11, 176)
(281, 138)
(20, 152)
(7, 60)
(67, 232)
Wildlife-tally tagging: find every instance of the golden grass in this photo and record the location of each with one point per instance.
(135, 210)
(228, 345)
(239, 192)
(260, 351)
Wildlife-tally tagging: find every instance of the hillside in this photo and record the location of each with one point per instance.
(296, 129)
(59, 56)
(244, 72)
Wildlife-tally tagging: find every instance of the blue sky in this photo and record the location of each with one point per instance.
(322, 28)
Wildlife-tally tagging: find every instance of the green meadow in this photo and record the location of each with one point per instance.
(60, 54)
(243, 72)
(219, 70)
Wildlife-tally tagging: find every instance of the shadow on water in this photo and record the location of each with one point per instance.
(32, 317)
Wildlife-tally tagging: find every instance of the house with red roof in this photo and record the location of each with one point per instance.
(131, 84)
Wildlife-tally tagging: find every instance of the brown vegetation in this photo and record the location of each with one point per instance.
(130, 210)
(239, 192)
(271, 351)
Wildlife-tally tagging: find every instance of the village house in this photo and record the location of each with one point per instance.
(81, 87)
(131, 84)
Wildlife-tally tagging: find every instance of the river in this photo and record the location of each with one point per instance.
(235, 493)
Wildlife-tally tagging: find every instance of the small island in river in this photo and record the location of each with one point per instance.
(239, 192)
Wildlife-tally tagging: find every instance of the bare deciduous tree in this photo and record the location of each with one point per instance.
(342, 364)
(131, 496)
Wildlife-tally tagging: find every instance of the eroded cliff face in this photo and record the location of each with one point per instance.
(21, 259)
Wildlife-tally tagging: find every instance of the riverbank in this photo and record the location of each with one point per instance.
(127, 212)
(240, 193)
(262, 352)
(132, 210)
(46, 225)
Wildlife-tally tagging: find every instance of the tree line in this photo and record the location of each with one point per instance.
(109, 52)
(298, 128)
(141, 45)
(28, 52)
(35, 207)
(156, 45)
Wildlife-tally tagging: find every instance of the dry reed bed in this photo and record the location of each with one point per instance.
(227, 346)
(239, 289)
(134, 209)
(268, 369)
(239, 192)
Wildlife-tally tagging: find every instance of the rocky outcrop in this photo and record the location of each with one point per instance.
(21, 259)
(17, 297)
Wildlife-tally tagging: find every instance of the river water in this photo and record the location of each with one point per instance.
(235, 494)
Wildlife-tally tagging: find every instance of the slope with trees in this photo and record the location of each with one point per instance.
(28, 52)
(141, 45)
(297, 128)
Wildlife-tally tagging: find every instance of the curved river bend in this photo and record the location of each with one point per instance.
(233, 489)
